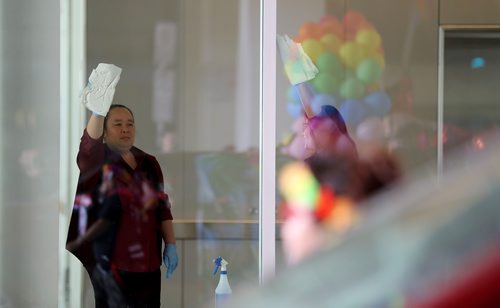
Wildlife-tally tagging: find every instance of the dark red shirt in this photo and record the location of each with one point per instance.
(143, 204)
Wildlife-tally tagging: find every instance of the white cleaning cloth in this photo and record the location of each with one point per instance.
(97, 96)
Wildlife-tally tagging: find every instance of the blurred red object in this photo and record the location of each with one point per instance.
(477, 285)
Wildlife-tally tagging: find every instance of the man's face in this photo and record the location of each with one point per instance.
(119, 132)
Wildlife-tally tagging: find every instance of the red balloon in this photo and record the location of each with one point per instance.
(353, 20)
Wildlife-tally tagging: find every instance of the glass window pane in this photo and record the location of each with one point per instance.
(471, 93)
(378, 73)
(191, 76)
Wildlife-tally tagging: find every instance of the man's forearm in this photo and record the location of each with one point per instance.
(167, 230)
(95, 126)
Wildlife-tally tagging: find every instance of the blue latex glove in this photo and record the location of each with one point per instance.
(170, 258)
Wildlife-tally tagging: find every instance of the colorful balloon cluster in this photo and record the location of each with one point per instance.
(350, 59)
(304, 195)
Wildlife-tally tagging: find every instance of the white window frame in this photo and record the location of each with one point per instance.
(72, 117)
(267, 148)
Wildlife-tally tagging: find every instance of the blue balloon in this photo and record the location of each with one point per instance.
(294, 109)
(379, 103)
(293, 93)
(322, 100)
(353, 112)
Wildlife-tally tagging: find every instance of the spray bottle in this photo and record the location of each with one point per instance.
(223, 290)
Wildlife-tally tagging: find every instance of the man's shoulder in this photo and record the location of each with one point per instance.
(144, 156)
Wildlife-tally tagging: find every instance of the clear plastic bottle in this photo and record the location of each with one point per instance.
(223, 290)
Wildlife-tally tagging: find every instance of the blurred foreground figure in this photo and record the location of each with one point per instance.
(322, 196)
(321, 193)
(121, 212)
(424, 243)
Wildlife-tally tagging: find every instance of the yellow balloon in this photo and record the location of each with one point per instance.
(351, 54)
(313, 48)
(369, 39)
(331, 42)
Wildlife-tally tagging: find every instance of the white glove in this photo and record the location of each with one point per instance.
(97, 96)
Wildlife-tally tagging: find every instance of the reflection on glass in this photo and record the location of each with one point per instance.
(376, 75)
(190, 73)
(471, 71)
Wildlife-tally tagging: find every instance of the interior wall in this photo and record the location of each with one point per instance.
(469, 12)
(30, 150)
(132, 29)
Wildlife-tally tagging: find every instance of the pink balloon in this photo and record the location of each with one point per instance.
(371, 129)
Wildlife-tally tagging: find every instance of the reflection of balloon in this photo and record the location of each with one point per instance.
(352, 88)
(293, 94)
(325, 83)
(371, 129)
(309, 30)
(350, 58)
(329, 63)
(331, 42)
(353, 111)
(313, 48)
(368, 71)
(322, 100)
(332, 26)
(294, 109)
(351, 53)
(369, 39)
(353, 20)
(379, 103)
(298, 185)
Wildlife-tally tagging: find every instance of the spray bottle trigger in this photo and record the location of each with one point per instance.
(217, 264)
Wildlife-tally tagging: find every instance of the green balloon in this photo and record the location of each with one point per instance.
(309, 193)
(329, 63)
(352, 88)
(326, 83)
(369, 71)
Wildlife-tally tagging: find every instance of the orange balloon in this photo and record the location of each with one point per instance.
(353, 19)
(310, 30)
(299, 39)
(332, 26)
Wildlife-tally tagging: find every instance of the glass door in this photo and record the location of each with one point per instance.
(191, 76)
(470, 91)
